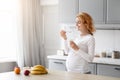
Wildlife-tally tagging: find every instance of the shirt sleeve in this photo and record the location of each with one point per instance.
(66, 48)
(91, 49)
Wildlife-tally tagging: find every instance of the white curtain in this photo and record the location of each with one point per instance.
(30, 34)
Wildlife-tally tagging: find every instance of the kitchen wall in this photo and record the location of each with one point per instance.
(107, 40)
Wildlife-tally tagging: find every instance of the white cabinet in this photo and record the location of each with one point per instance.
(7, 66)
(102, 11)
(60, 64)
(95, 8)
(98, 67)
(92, 68)
(55, 64)
(113, 11)
(108, 70)
(68, 9)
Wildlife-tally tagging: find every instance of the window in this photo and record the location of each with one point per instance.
(8, 28)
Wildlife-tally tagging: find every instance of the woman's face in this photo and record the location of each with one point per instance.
(80, 26)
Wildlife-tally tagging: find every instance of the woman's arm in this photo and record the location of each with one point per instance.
(91, 49)
(66, 48)
(63, 35)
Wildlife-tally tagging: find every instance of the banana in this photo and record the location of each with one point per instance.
(36, 72)
(38, 69)
(39, 66)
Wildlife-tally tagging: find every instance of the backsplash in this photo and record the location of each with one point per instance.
(107, 40)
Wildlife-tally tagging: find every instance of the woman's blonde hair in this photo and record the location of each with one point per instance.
(88, 21)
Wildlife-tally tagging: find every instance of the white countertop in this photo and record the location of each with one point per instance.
(54, 75)
(96, 59)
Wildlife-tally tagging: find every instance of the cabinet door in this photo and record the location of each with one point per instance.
(57, 65)
(68, 9)
(113, 11)
(4, 66)
(92, 68)
(95, 8)
(108, 70)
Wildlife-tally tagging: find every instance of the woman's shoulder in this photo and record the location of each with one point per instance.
(90, 38)
(85, 38)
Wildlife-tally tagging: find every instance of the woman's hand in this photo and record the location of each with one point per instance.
(63, 34)
(74, 46)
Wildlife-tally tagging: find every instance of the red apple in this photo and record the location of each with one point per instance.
(26, 72)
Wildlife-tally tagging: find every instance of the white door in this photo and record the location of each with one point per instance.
(51, 37)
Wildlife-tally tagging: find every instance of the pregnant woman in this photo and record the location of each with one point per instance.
(80, 50)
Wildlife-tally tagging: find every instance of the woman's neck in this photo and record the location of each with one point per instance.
(84, 34)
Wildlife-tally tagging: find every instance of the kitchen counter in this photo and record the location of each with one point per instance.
(96, 60)
(54, 75)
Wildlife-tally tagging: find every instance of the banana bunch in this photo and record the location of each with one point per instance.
(38, 69)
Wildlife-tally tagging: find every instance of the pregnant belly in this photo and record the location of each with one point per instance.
(74, 61)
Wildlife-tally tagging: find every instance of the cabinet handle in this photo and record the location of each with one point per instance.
(58, 62)
(117, 69)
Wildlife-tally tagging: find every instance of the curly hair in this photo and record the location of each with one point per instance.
(88, 21)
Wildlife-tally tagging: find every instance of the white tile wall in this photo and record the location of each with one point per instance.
(107, 40)
(104, 40)
(117, 40)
